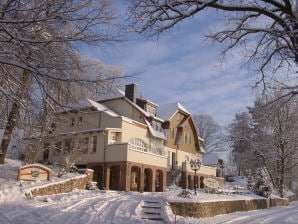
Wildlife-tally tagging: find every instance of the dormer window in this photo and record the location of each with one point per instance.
(150, 109)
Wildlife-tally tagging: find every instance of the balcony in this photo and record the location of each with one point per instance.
(122, 152)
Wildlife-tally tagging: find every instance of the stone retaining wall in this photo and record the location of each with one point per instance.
(293, 197)
(79, 182)
(209, 209)
(279, 202)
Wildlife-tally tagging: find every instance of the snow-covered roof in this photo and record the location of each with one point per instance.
(36, 165)
(111, 94)
(117, 93)
(166, 111)
(90, 103)
(201, 139)
(210, 159)
(155, 133)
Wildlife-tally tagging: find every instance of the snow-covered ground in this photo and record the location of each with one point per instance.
(90, 207)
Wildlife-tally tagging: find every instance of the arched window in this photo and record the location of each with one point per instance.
(138, 144)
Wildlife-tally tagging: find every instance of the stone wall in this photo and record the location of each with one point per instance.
(293, 197)
(209, 209)
(279, 202)
(79, 182)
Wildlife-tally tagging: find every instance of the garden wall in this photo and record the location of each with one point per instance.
(209, 209)
(68, 185)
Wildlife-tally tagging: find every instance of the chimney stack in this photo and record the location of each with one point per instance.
(131, 92)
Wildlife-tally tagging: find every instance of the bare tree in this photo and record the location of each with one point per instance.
(265, 29)
(267, 137)
(38, 41)
(210, 131)
(276, 129)
(239, 134)
(43, 123)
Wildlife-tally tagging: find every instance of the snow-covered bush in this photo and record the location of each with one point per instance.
(262, 187)
(92, 186)
(185, 194)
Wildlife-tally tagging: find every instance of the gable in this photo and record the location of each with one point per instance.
(125, 108)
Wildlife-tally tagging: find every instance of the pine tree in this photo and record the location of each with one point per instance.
(262, 187)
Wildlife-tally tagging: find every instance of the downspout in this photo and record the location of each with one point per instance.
(104, 159)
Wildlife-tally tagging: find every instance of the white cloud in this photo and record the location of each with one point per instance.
(183, 67)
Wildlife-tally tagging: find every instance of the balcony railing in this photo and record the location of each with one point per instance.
(122, 152)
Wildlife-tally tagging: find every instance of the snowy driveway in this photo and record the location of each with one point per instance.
(81, 207)
(274, 215)
(90, 207)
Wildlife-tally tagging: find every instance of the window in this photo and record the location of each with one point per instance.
(83, 144)
(72, 123)
(150, 109)
(157, 147)
(46, 152)
(113, 137)
(187, 138)
(169, 159)
(58, 148)
(80, 121)
(93, 143)
(173, 161)
(178, 117)
(52, 128)
(68, 145)
(173, 132)
(137, 144)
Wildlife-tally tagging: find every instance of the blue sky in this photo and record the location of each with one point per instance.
(182, 66)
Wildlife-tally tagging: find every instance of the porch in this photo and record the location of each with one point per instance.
(130, 170)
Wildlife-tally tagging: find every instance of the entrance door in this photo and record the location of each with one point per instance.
(115, 178)
(147, 180)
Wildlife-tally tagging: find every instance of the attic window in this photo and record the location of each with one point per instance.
(150, 109)
(187, 138)
(179, 117)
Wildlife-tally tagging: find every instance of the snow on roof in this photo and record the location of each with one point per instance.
(117, 93)
(36, 164)
(202, 149)
(210, 159)
(111, 94)
(166, 111)
(201, 139)
(155, 133)
(90, 103)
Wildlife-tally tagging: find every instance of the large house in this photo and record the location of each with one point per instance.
(131, 143)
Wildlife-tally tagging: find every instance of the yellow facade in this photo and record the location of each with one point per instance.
(117, 142)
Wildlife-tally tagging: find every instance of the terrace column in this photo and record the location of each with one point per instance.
(107, 178)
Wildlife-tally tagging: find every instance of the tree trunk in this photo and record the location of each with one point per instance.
(13, 116)
(282, 172)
